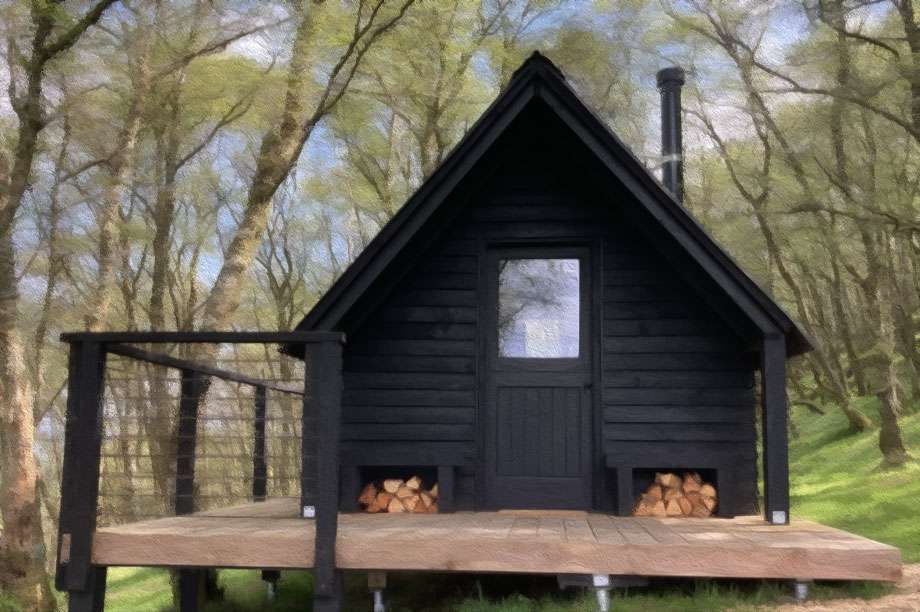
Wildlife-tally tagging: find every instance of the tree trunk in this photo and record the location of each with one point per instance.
(121, 170)
(22, 571)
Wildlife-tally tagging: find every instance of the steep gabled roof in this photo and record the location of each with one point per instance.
(539, 79)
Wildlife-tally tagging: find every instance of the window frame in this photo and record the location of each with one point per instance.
(494, 256)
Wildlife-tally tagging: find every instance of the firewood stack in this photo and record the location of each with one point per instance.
(673, 496)
(396, 495)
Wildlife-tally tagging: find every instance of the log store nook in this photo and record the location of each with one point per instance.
(572, 369)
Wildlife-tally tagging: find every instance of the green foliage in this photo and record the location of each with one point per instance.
(8, 604)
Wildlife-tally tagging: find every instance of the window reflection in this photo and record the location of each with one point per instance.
(538, 308)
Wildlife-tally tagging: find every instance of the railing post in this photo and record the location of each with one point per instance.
(323, 401)
(80, 478)
(259, 465)
(186, 441)
(775, 441)
(191, 588)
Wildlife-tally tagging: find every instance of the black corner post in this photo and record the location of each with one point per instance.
(775, 441)
(84, 582)
(670, 82)
(323, 402)
(259, 464)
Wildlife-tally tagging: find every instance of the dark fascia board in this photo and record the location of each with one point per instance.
(540, 78)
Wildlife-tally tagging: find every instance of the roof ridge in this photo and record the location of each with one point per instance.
(537, 63)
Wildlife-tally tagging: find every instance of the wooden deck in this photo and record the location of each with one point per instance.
(268, 535)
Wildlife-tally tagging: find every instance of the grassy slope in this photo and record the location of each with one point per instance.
(836, 480)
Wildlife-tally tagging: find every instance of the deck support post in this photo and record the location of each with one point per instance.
(775, 436)
(84, 582)
(377, 584)
(323, 401)
(601, 584)
(191, 585)
(800, 590)
(271, 578)
(259, 464)
(93, 598)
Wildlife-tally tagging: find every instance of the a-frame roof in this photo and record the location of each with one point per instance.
(539, 79)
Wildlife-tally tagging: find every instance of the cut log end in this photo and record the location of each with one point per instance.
(396, 495)
(677, 496)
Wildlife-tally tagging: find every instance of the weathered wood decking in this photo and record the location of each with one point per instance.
(268, 535)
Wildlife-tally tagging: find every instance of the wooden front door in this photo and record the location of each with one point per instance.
(537, 392)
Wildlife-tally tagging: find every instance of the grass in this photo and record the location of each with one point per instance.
(836, 480)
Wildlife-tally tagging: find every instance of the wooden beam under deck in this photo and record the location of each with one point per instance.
(268, 535)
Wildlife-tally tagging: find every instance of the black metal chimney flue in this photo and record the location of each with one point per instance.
(670, 81)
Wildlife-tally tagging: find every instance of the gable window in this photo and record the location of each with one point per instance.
(538, 308)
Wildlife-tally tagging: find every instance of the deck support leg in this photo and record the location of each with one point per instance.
(271, 578)
(800, 590)
(84, 581)
(601, 584)
(323, 402)
(190, 589)
(92, 599)
(376, 584)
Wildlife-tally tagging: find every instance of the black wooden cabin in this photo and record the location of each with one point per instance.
(543, 325)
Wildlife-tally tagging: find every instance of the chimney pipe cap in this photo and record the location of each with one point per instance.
(673, 76)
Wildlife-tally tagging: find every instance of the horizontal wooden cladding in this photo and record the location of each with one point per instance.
(409, 414)
(450, 264)
(407, 397)
(663, 327)
(421, 331)
(642, 276)
(669, 344)
(668, 361)
(435, 348)
(427, 314)
(676, 454)
(418, 432)
(638, 260)
(408, 452)
(458, 246)
(409, 380)
(443, 280)
(530, 212)
(512, 230)
(404, 363)
(645, 293)
(679, 414)
(678, 397)
(679, 379)
(649, 310)
(435, 297)
(680, 432)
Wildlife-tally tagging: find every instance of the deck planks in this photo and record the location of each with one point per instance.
(268, 535)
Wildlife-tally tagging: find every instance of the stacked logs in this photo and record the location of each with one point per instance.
(673, 496)
(396, 495)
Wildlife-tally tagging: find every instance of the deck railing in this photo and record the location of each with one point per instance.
(84, 437)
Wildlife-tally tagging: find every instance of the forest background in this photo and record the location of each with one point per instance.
(208, 164)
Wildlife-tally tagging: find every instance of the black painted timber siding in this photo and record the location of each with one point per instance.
(669, 373)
